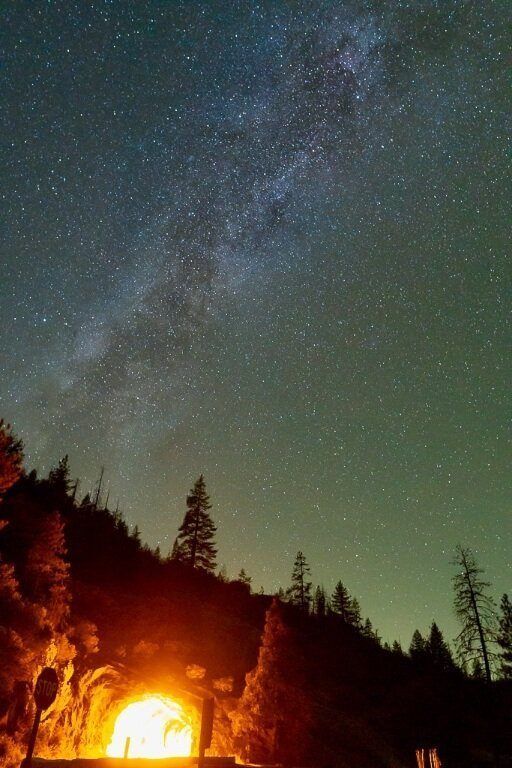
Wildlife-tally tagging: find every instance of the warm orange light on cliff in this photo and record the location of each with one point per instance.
(155, 726)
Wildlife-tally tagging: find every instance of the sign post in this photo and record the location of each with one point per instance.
(205, 739)
(44, 695)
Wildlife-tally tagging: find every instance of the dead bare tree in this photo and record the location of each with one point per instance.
(474, 609)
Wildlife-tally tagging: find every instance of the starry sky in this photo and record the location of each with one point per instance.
(267, 241)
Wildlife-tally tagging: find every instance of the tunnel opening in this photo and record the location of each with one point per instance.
(151, 726)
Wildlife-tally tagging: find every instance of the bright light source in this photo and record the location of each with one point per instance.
(155, 726)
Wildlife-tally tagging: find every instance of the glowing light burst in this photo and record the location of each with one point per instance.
(156, 727)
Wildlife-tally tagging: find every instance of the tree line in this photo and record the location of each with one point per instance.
(483, 628)
(483, 646)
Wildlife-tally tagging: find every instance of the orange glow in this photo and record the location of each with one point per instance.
(156, 727)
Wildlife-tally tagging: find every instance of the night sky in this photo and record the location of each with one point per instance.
(267, 242)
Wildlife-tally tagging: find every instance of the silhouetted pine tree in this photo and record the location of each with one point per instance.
(222, 574)
(300, 590)
(320, 602)
(396, 647)
(135, 535)
(355, 613)
(345, 606)
(505, 637)
(367, 630)
(59, 476)
(341, 601)
(244, 578)
(474, 609)
(11, 457)
(417, 646)
(197, 532)
(438, 651)
(175, 551)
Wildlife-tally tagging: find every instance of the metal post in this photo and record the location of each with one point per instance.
(27, 763)
(205, 738)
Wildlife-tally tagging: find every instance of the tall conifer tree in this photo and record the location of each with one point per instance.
(438, 650)
(320, 602)
(196, 537)
(355, 613)
(300, 591)
(59, 475)
(175, 552)
(345, 606)
(417, 646)
(341, 601)
(367, 630)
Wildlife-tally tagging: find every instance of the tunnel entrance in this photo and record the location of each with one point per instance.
(153, 726)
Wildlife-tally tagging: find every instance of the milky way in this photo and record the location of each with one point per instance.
(267, 242)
